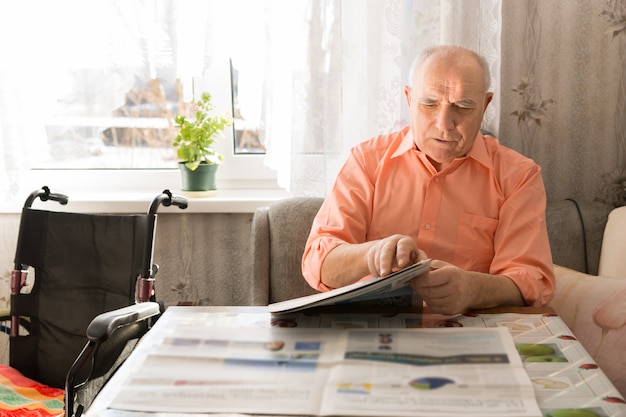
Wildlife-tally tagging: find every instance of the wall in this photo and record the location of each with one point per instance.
(201, 256)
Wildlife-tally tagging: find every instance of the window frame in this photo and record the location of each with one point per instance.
(237, 172)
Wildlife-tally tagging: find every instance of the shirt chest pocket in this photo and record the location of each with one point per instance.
(475, 242)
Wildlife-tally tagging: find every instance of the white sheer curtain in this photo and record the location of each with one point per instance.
(340, 69)
(25, 92)
(331, 71)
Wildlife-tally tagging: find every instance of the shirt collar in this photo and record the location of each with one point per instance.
(406, 145)
(478, 151)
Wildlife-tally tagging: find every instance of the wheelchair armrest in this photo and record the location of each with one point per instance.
(103, 325)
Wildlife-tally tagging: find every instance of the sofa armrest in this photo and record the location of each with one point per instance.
(612, 259)
(575, 230)
(594, 308)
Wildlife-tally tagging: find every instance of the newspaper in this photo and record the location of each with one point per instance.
(361, 291)
(307, 371)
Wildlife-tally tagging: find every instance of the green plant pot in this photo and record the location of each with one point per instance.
(202, 179)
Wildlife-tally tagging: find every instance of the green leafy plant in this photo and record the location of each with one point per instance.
(196, 136)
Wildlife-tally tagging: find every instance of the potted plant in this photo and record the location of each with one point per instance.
(198, 159)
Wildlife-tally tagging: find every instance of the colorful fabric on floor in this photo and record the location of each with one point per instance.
(21, 396)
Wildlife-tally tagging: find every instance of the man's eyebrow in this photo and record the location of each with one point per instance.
(465, 102)
(428, 100)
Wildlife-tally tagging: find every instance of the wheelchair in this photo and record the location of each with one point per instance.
(93, 292)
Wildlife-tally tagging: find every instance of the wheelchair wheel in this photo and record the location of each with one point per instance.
(5, 333)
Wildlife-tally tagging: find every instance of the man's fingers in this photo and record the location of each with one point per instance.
(436, 264)
(395, 251)
(375, 266)
(387, 255)
(407, 253)
(405, 258)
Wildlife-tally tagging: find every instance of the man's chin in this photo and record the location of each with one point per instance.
(440, 156)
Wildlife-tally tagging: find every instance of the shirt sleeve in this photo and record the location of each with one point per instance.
(343, 218)
(522, 248)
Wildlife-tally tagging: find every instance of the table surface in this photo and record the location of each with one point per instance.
(576, 383)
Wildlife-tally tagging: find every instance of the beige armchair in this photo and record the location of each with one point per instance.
(279, 233)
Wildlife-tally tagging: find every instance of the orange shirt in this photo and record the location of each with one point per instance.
(485, 212)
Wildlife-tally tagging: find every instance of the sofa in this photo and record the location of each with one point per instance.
(593, 307)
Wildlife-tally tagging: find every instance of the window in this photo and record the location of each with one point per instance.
(247, 117)
(96, 89)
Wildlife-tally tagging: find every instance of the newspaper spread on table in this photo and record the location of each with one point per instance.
(308, 371)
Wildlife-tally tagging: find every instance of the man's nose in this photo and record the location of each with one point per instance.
(444, 122)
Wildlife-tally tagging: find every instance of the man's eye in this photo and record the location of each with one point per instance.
(463, 106)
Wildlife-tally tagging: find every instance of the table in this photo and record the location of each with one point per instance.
(563, 374)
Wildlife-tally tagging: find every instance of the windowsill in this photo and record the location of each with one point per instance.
(223, 201)
(132, 191)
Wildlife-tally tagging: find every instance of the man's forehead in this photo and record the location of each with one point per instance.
(450, 74)
(452, 89)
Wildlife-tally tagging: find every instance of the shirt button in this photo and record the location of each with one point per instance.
(436, 179)
(427, 226)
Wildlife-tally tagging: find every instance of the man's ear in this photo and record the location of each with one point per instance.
(407, 93)
(488, 98)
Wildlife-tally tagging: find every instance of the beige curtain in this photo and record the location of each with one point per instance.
(563, 86)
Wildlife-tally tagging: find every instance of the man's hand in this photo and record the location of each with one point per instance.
(445, 288)
(392, 253)
(448, 289)
(348, 263)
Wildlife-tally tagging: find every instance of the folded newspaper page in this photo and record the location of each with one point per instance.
(322, 372)
(376, 287)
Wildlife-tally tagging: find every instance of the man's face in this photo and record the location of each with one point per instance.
(446, 102)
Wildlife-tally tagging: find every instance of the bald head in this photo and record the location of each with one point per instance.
(452, 55)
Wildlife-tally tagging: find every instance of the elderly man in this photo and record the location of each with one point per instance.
(438, 189)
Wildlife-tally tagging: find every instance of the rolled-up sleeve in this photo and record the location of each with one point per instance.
(522, 248)
(343, 218)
